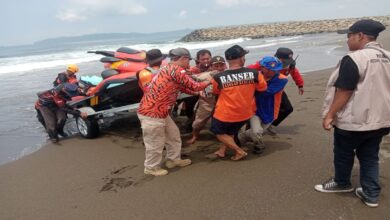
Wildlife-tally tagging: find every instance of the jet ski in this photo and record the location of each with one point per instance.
(122, 60)
(115, 92)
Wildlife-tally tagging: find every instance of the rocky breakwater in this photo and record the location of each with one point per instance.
(276, 29)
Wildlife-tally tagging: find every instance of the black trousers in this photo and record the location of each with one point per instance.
(53, 119)
(365, 145)
(285, 109)
(189, 103)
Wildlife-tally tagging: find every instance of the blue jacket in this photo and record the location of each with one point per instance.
(268, 102)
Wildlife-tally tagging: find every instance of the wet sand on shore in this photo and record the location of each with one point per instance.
(103, 178)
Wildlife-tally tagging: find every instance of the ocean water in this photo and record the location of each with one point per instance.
(26, 70)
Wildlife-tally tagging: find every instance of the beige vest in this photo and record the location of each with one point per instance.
(369, 106)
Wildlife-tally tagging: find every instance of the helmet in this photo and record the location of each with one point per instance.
(72, 68)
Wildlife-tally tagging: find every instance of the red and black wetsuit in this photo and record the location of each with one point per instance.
(51, 112)
(63, 78)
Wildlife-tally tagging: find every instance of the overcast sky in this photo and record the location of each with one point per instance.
(27, 21)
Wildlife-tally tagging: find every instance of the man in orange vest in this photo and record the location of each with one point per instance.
(154, 58)
(69, 76)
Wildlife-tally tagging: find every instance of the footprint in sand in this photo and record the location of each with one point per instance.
(114, 183)
(121, 178)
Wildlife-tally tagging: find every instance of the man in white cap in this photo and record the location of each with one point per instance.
(357, 105)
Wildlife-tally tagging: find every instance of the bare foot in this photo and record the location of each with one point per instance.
(192, 140)
(239, 155)
(246, 149)
(220, 153)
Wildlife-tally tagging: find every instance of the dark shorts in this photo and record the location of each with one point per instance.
(229, 128)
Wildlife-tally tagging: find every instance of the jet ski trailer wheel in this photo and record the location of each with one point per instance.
(88, 127)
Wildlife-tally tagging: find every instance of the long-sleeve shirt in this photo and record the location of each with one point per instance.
(268, 101)
(294, 72)
(164, 89)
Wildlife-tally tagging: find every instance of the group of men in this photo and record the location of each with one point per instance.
(357, 106)
(227, 92)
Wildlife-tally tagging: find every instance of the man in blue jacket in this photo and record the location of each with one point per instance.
(267, 102)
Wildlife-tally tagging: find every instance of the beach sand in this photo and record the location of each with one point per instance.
(103, 178)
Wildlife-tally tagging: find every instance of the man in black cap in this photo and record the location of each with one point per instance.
(289, 68)
(357, 104)
(154, 58)
(235, 88)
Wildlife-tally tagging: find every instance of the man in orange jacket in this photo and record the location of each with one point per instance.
(69, 76)
(235, 88)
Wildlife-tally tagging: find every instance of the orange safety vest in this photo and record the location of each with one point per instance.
(145, 77)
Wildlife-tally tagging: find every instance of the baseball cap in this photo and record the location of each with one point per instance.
(271, 63)
(180, 52)
(217, 59)
(368, 27)
(286, 54)
(154, 56)
(235, 52)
